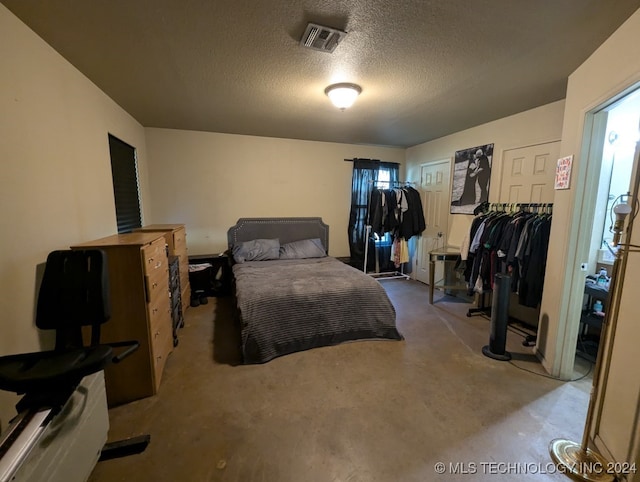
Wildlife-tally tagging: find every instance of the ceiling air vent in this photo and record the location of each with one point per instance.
(325, 39)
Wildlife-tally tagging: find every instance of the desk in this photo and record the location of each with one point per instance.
(444, 255)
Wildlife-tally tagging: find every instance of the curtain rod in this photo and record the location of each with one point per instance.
(370, 160)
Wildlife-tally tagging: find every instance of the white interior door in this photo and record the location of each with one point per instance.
(528, 173)
(435, 192)
(528, 176)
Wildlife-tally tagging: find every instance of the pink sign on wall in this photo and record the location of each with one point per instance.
(563, 172)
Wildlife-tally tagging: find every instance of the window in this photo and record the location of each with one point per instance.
(384, 175)
(124, 169)
(383, 182)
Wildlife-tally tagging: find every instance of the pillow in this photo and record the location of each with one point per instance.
(305, 248)
(256, 250)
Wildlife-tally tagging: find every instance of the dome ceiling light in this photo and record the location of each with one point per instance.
(343, 95)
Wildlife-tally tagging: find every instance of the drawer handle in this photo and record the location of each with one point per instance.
(154, 285)
(154, 311)
(150, 260)
(158, 264)
(157, 334)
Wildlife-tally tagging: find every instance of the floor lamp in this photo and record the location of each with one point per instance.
(577, 460)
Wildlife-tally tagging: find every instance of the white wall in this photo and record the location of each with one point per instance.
(535, 126)
(55, 187)
(612, 69)
(209, 180)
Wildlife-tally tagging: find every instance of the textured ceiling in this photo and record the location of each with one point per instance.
(427, 68)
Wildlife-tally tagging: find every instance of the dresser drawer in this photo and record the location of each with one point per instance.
(184, 279)
(161, 341)
(161, 347)
(159, 308)
(180, 241)
(154, 256)
(160, 335)
(183, 261)
(157, 285)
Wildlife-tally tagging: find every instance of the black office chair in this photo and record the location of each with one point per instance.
(74, 293)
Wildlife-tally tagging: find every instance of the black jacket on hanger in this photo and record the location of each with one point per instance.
(413, 222)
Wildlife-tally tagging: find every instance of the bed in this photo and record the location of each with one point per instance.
(300, 298)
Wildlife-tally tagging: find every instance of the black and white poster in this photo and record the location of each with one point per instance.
(471, 176)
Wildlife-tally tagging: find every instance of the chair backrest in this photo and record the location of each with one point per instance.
(74, 293)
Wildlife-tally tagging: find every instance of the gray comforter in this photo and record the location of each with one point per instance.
(292, 305)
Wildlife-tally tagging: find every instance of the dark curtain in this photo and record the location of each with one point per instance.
(365, 176)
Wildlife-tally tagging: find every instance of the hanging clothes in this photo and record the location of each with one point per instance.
(413, 222)
(398, 212)
(513, 243)
(399, 252)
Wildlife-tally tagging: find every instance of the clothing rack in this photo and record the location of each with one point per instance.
(388, 274)
(395, 183)
(536, 208)
(482, 309)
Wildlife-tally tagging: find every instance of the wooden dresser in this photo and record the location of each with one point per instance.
(140, 310)
(176, 237)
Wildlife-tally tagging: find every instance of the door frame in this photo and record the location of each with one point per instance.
(586, 181)
(595, 123)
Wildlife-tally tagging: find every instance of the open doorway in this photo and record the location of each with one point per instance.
(612, 147)
(621, 135)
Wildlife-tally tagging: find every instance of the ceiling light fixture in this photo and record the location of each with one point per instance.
(343, 95)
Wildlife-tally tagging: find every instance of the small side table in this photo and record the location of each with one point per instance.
(218, 262)
(445, 255)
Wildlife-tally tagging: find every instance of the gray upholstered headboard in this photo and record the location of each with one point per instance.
(285, 229)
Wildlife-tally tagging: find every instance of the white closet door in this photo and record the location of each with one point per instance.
(528, 173)
(528, 176)
(434, 191)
